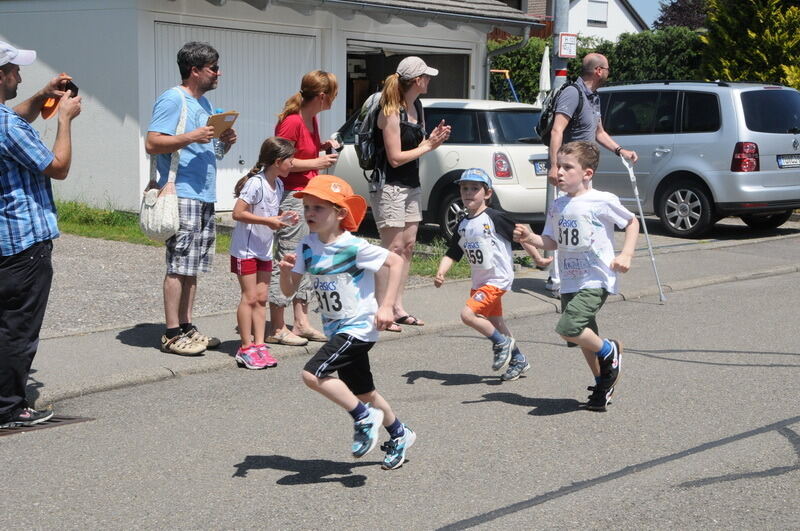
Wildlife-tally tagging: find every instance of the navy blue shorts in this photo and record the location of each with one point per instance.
(347, 356)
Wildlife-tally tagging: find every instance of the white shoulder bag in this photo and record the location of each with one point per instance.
(158, 214)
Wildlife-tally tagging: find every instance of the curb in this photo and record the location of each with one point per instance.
(215, 360)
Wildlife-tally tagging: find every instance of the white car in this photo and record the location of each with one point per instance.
(495, 136)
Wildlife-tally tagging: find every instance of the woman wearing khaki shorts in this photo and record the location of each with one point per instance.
(396, 204)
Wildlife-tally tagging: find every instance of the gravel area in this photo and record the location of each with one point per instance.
(101, 284)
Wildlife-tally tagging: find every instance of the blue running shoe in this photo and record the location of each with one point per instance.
(396, 449)
(515, 370)
(502, 354)
(365, 437)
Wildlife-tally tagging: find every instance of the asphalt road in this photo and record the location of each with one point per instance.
(704, 432)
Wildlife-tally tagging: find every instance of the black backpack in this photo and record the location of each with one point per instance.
(366, 127)
(548, 115)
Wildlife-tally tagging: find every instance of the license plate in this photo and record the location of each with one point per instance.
(789, 161)
(540, 167)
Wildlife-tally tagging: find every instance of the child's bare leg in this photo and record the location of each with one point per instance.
(477, 322)
(333, 389)
(245, 310)
(375, 398)
(260, 308)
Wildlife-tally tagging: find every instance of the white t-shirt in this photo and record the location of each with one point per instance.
(343, 279)
(250, 240)
(486, 241)
(583, 226)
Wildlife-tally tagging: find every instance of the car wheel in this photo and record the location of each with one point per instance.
(685, 209)
(451, 209)
(767, 221)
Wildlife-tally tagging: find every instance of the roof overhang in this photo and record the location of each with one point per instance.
(419, 13)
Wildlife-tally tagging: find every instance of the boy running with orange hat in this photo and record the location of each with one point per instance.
(343, 269)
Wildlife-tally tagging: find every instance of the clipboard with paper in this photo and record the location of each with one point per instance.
(221, 122)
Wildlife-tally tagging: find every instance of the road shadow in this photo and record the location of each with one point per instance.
(451, 378)
(306, 471)
(32, 389)
(542, 407)
(725, 229)
(142, 335)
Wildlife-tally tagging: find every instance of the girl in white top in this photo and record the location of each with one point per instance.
(257, 215)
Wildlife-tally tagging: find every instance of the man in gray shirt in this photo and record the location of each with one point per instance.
(568, 126)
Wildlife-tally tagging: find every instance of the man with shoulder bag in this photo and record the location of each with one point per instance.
(186, 165)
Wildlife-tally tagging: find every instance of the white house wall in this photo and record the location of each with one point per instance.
(111, 49)
(95, 42)
(619, 21)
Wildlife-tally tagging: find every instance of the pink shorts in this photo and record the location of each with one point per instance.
(249, 266)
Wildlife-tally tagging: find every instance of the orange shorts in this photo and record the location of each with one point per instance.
(486, 301)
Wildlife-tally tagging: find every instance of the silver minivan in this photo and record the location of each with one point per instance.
(706, 151)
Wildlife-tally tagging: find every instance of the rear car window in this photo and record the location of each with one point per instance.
(514, 127)
(772, 110)
(464, 124)
(700, 113)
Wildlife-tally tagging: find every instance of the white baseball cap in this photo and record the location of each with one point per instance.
(9, 54)
(413, 66)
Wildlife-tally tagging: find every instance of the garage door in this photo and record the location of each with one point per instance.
(259, 72)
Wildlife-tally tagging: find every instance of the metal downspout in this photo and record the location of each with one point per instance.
(488, 64)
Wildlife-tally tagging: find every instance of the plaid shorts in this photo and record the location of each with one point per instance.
(191, 250)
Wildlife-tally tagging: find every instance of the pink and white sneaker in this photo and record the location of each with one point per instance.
(266, 356)
(250, 358)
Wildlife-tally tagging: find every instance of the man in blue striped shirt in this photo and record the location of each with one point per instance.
(27, 227)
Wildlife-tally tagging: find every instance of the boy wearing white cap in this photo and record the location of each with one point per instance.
(485, 236)
(27, 227)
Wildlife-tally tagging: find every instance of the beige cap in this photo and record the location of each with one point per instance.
(413, 66)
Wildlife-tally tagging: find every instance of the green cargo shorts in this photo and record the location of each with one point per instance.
(578, 311)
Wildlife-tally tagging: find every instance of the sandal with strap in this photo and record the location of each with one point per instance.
(409, 320)
(181, 345)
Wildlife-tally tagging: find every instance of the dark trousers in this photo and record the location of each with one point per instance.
(25, 280)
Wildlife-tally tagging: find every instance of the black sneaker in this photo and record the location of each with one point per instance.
(610, 366)
(28, 417)
(600, 398)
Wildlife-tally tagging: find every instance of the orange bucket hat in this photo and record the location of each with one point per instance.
(337, 191)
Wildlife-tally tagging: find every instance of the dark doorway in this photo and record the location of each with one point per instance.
(367, 70)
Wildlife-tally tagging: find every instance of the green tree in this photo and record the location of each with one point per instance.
(669, 53)
(752, 40)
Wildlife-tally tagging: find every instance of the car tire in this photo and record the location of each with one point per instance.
(451, 210)
(685, 209)
(767, 221)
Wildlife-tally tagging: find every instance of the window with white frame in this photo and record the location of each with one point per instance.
(597, 12)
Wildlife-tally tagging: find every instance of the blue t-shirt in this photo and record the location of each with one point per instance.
(197, 171)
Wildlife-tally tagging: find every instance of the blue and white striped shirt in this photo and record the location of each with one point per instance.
(27, 211)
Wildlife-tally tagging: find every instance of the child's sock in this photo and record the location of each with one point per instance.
(597, 380)
(606, 350)
(360, 412)
(395, 429)
(517, 356)
(172, 332)
(185, 327)
(497, 337)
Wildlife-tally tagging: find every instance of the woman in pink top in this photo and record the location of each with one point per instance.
(298, 124)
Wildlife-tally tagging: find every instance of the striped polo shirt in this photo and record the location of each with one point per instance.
(27, 211)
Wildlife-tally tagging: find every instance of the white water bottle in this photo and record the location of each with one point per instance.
(219, 145)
